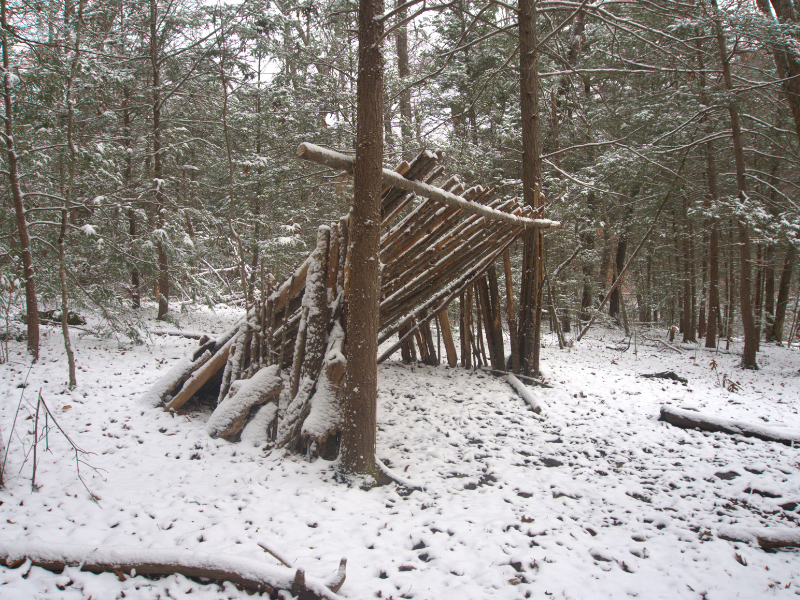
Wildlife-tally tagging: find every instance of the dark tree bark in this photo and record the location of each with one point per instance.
(745, 252)
(31, 301)
(361, 383)
(404, 72)
(783, 292)
(158, 168)
(769, 293)
(533, 249)
(619, 264)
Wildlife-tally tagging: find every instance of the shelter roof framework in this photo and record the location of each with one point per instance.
(280, 371)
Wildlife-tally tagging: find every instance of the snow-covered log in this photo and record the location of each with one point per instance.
(337, 160)
(526, 394)
(324, 417)
(768, 539)
(231, 415)
(179, 373)
(249, 573)
(695, 420)
(200, 377)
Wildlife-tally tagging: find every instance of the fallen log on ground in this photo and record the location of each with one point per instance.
(229, 418)
(767, 539)
(246, 572)
(671, 375)
(525, 378)
(695, 420)
(536, 404)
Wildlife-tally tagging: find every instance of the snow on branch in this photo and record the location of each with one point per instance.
(246, 572)
(336, 160)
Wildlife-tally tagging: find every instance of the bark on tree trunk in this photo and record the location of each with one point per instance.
(783, 292)
(360, 402)
(745, 297)
(158, 169)
(769, 293)
(404, 72)
(532, 256)
(614, 302)
(31, 301)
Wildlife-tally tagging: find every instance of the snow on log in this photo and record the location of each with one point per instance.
(257, 430)
(200, 377)
(230, 416)
(527, 395)
(324, 419)
(336, 160)
(182, 370)
(691, 419)
(768, 539)
(246, 572)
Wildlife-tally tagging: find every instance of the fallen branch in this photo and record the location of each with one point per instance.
(694, 420)
(401, 481)
(525, 378)
(525, 393)
(768, 539)
(246, 572)
(192, 335)
(334, 583)
(663, 343)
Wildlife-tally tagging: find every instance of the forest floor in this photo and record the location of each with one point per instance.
(596, 498)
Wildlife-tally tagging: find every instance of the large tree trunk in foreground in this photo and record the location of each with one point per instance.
(31, 302)
(533, 250)
(361, 384)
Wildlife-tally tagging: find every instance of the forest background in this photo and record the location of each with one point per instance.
(149, 150)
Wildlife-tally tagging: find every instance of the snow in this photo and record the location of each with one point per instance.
(243, 395)
(597, 500)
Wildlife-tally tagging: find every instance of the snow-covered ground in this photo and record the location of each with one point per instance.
(593, 499)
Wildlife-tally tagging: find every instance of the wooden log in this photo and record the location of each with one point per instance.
(343, 162)
(200, 377)
(466, 331)
(246, 572)
(496, 315)
(291, 287)
(482, 286)
(512, 315)
(445, 269)
(438, 299)
(767, 538)
(461, 249)
(446, 295)
(479, 318)
(447, 336)
(695, 420)
(178, 374)
(316, 299)
(229, 418)
(427, 339)
(407, 350)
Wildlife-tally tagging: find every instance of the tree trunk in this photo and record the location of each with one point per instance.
(745, 296)
(783, 292)
(532, 255)
(31, 301)
(361, 384)
(73, 165)
(769, 293)
(158, 169)
(619, 264)
(404, 72)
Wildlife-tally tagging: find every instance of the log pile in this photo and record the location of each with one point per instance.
(280, 371)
